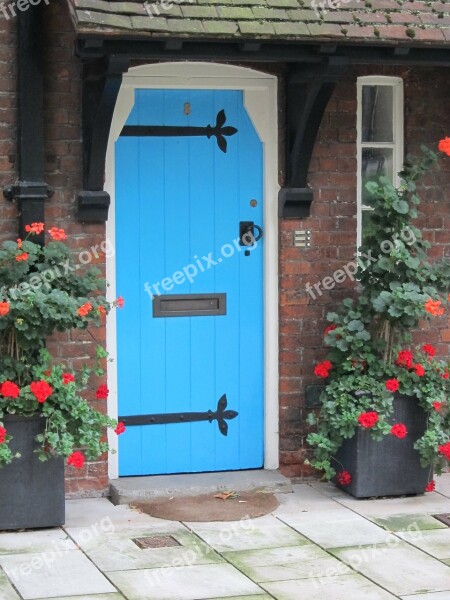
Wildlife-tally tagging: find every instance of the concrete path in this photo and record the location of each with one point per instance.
(320, 544)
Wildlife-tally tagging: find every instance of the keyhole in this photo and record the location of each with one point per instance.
(187, 108)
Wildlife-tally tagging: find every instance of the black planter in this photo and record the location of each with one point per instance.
(31, 491)
(391, 466)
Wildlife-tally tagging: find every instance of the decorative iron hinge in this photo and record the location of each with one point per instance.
(218, 131)
(221, 415)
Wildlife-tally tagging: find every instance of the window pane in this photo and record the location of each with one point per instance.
(377, 113)
(375, 163)
(366, 224)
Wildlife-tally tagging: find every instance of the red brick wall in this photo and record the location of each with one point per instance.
(332, 222)
(8, 213)
(63, 173)
(63, 165)
(333, 227)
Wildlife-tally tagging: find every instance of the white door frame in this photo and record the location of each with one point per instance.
(260, 99)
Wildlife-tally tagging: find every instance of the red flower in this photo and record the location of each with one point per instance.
(405, 359)
(9, 389)
(36, 228)
(344, 478)
(120, 302)
(322, 369)
(41, 389)
(434, 307)
(392, 384)
(444, 449)
(368, 419)
(101, 311)
(57, 234)
(84, 309)
(444, 146)
(437, 406)
(67, 378)
(329, 328)
(444, 375)
(76, 459)
(4, 308)
(429, 349)
(420, 371)
(19, 243)
(431, 486)
(22, 257)
(120, 428)
(399, 430)
(102, 392)
(2, 434)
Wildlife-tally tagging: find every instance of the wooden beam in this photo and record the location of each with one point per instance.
(308, 93)
(101, 84)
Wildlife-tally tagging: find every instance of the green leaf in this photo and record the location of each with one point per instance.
(400, 206)
(385, 263)
(355, 325)
(342, 345)
(379, 304)
(412, 262)
(372, 187)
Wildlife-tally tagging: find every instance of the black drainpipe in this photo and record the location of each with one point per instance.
(30, 191)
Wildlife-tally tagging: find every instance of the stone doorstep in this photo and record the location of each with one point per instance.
(132, 489)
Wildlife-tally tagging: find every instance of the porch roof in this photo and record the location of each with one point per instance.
(380, 22)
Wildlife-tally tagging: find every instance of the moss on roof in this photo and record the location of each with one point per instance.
(390, 21)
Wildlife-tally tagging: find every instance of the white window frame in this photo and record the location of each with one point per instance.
(397, 145)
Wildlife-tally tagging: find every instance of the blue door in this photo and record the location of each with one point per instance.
(189, 186)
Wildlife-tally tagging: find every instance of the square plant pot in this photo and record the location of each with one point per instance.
(31, 491)
(391, 466)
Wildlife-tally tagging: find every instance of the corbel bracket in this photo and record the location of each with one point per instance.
(309, 89)
(102, 79)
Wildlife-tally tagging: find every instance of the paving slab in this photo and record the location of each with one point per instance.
(44, 540)
(430, 503)
(336, 528)
(401, 568)
(443, 484)
(118, 551)
(57, 577)
(305, 499)
(116, 596)
(127, 490)
(413, 522)
(264, 532)
(87, 537)
(257, 597)
(7, 591)
(343, 587)
(435, 542)
(432, 596)
(278, 564)
(273, 557)
(199, 582)
(329, 489)
(101, 513)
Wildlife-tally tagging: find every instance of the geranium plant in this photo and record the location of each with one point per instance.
(43, 290)
(371, 355)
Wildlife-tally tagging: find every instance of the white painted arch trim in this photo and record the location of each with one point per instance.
(260, 99)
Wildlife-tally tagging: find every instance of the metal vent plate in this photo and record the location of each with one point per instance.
(162, 541)
(443, 518)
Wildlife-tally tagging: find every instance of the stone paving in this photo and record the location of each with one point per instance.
(320, 544)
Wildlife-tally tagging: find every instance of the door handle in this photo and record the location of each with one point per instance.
(247, 233)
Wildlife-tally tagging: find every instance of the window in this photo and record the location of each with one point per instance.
(380, 137)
